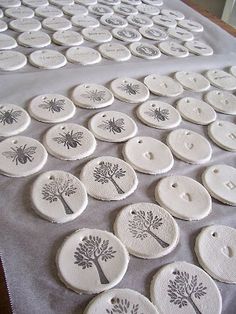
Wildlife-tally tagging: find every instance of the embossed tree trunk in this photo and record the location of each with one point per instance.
(119, 190)
(67, 208)
(160, 241)
(102, 277)
(196, 309)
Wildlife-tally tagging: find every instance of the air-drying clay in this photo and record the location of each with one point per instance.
(83, 55)
(144, 50)
(223, 133)
(221, 79)
(47, 59)
(163, 85)
(192, 81)
(115, 51)
(222, 101)
(174, 49)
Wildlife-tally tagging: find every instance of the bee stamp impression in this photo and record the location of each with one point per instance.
(147, 230)
(108, 178)
(91, 261)
(223, 133)
(58, 196)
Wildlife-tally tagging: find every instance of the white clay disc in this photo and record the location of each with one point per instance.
(84, 21)
(221, 79)
(56, 23)
(153, 33)
(173, 285)
(139, 20)
(163, 85)
(83, 55)
(181, 34)
(159, 115)
(120, 300)
(109, 2)
(75, 9)
(192, 81)
(108, 178)
(191, 26)
(86, 2)
(148, 155)
(131, 2)
(148, 9)
(223, 133)
(165, 21)
(189, 146)
(9, 3)
(115, 51)
(47, 59)
(34, 39)
(67, 38)
(199, 48)
(36, 3)
(183, 197)
(154, 2)
(48, 11)
(215, 248)
(127, 34)
(112, 126)
(25, 25)
(233, 70)
(58, 196)
(12, 60)
(100, 9)
(222, 101)
(196, 111)
(113, 20)
(174, 49)
(124, 9)
(21, 156)
(7, 42)
(69, 141)
(147, 230)
(177, 15)
(144, 50)
(51, 108)
(62, 2)
(1, 13)
(13, 120)
(91, 261)
(92, 96)
(19, 12)
(3, 26)
(129, 90)
(97, 35)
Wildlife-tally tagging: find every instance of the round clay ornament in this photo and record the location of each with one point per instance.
(86, 2)
(189, 146)
(83, 55)
(148, 9)
(132, 2)
(34, 39)
(139, 20)
(177, 15)
(183, 197)
(19, 12)
(181, 287)
(21, 156)
(100, 9)
(159, 115)
(1, 13)
(196, 111)
(108, 178)
(121, 300)
(7, 42)
(191, 26)
(110, 2)
(215, 248)
(67, 38)
(129, 90)
(147, 230)
(144, 50)
(12, 60)
(97, 35)
(47, 59)
(84, 21)
(48, 11)
(181, 34)
(199, 48)
(153, 33)
(3, 26)
(115, 51)
(58, 196)
(165, 21)
(62, 2)
(221, 79)
(25, 25)
(51, 108)
(113, 20)
(222, 101)
(174, 49)
(124, 9)
(36, 3)
(223, 134)
(105, 268)
(75, 9)
(232, 70)
(127, 34)
(9, 3)
(56, 24)
(148, 155)
(163, 85)
(154, 2)
(192, 81)
(69, 141)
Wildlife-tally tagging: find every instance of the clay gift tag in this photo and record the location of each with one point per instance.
(84, 21)
(91, 261)
(7, 42)
(177, 15)
(153, 33)
(100, 9)
(165, 21)
(124, 9)
(191, 26)
(113, 20)
(181, 34)
(74, 9)
(163, 85)
(34, 39)
(97, 35)
(36, 3)
(108, 178)
(58, 196)
(154, 2)
(9, 3)
(56, 24)
(192, 81)
(3, 26)
(222, 101)
(221, 79)
(174, 49)
(144, 50)
(12, 60)
(67, 38)
(148, 9)
(199, 48)
(19, 12)
(83, 55)
(48, 11)
(115, 51)
(223, 133)
(127, 34)
(139, 20)
(47, 59)
(25, 25)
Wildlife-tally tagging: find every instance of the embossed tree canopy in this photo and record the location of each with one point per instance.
(184, 289)
(143, 223)
(91, 252)
(123, 306)
(57, 189)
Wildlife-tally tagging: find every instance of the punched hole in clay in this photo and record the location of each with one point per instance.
(133, 212)
(216, 171)
(174, 185)
(174, 271)
(140, 141)
(214, 234)
(103, 115)
(63, 127)
(153, 105)
(188, 133)
(51, 178)
(84, 238)
(14, 142)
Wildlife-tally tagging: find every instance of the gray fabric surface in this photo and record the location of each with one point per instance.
(29, 243)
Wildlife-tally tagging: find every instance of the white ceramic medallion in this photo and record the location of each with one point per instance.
(192, 81)
(181, 34)
(86, 2)
(92, 96)
(129, 90)
(109, 2)
(91, 261)
(1, 13)
(189, 146)
(51, 108)
(100, 9)
(183, 197)
(25, 25)
(232, 70)
(67, 38)
(115, 51)
(223, 134)
(7, 42)
(69, 141)
(47, 59)
(56, 24)
(75, 9)
(163, 85)
(174, 49)
(144, 50)
(131, 2)
(125, 10)
(215, 248)
(9, 3)
(61, 3)
(147, 230)
(58, 196)
(222, 101)
(112, 126)
(3, 26)
(159, 115)
(181, 287)
(177, 15)
(19, 12)
(21, 156)
(83, 55)
(139, 20)
(113, 20)
(109, 178)
(153, 33)
(196, 111)
(123, 300)
(148, 9)
(221, 79)
(48, 11)
(199, 48)
(36, 3)
(191, 26)
(37, 39)
(12, 60)
(148, 155)
(165, 21)
(153, 2)
(13, 120)
(84, 21)
(127, 34)
(97, 34)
